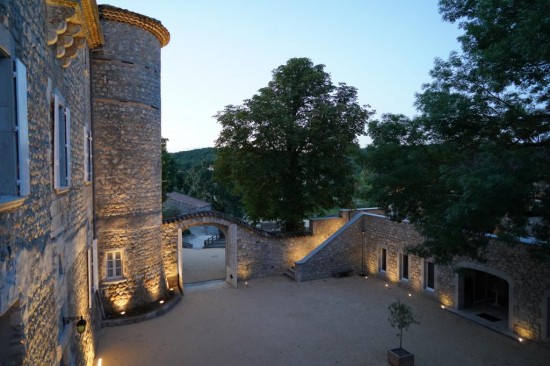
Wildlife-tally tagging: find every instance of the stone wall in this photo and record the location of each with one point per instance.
(126, 102)
(44, 276)
(259, 254)
(526, 275)
(340, 253)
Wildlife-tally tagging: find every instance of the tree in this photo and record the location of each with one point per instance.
(286, 150)
(476, 160)
(168, 171)
(401, 317)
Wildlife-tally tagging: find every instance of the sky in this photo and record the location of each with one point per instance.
(222, 52)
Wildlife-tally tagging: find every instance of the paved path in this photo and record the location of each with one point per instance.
(276, 321)
(203, 264)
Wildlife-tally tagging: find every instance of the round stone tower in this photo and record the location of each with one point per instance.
(127, 159)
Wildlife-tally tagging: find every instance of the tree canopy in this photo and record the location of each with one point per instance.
(476, 159)
(286, 149)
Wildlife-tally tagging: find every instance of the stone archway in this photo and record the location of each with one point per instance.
(227, 225)
(486, 293)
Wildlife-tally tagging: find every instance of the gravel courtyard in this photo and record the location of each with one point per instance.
(276, 321)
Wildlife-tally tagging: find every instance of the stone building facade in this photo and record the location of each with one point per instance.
(66, 200)
(511, 289)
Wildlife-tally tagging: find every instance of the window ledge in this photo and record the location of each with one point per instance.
(8, 203)
(62, 190)
(113, 281)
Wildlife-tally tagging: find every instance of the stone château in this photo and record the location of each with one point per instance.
(81, 232)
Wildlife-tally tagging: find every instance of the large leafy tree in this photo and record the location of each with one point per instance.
(286, 149)
(476, 161)
(169, 178)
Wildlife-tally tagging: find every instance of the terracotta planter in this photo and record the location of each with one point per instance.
(400, 357)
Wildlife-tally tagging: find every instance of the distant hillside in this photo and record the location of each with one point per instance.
(185, 160)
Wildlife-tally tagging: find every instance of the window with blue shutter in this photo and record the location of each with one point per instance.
(62, 144)
(14, 140)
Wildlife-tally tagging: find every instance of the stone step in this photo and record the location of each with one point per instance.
(291, 273)
(219, 243)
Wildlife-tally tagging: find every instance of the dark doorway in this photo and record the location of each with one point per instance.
(484, 297)
(484, 288)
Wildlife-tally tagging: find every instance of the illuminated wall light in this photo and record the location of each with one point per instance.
(442, 306)
(366, 277)
(161, 302)
(387, 285)
(410, 294)
(520, 339)
(122, 312)
(246, 283)
(171, 289)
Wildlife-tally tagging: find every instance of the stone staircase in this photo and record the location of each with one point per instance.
(291, 273)
(214, 242)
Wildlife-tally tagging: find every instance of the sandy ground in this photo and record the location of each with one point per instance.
(276, 321)
(203, 264)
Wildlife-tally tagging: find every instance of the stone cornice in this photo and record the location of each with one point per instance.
(84, 13)
(91, 18)
(151, 25)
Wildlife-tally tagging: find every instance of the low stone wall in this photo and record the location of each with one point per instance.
(341, 252)
(259, 254)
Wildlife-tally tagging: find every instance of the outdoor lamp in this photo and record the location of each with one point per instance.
(80, 324)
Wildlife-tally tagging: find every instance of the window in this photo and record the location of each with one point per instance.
(62, 144)
(429, 275)
(383, 260)
(114, 264)
(14, 140)
(88, 173)
(404, 268)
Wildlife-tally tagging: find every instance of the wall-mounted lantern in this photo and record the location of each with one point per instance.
(80, 324)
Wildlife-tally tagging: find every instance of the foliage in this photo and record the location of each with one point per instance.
(194, 177)
(476, 159)
(286, 149)
(185, 160)
(168, 171)
(401, 317)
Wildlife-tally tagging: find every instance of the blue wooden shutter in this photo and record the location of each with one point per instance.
(22, 129)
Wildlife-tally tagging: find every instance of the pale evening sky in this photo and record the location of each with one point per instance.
(222, 51)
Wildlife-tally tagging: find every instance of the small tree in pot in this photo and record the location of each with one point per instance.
(401, 317)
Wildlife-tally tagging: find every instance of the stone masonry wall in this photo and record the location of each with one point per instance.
(339, 253)
(48, 234)
(258, 255)
(528, 278)
(126, 102)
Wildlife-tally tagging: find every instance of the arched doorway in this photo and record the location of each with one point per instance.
(174, 234)
(203, 254)
(484, 295)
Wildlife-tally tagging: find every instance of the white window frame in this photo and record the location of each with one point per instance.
(62, 143)
(88, 167)
(402, 257)
(17, 179)
(112, 273)
(382, 260)
(425, 274)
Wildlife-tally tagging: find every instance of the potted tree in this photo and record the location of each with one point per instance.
(401, 317)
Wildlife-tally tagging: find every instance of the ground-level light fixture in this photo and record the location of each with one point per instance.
(161, 302)
(80, 324)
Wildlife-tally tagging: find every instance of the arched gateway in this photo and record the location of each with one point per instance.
(172, 242)
(249, 252)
